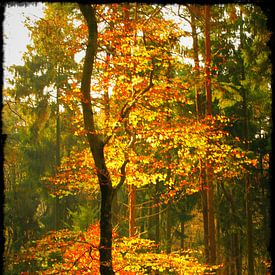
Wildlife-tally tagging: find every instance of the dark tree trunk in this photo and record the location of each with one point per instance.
(97, 145)
(196, 61)
(207, 62)
(157, 209)
(211, 223)
(150, 222)
(210, 189)
(115, 209)
(105, 248)
(168, 228)
(57, 158)
(132, 210)
(204, 211)
(236, 250)
(248, 198)
(199, 110)
(57, 152)
(182, 225)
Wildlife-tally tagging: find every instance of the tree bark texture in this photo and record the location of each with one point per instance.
(97, 145)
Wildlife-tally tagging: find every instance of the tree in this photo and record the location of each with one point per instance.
(96, 141)
(97, 145)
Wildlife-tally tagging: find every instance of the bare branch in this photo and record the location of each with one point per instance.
(15, 112)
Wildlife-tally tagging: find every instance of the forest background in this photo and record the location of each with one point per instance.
(160, 164)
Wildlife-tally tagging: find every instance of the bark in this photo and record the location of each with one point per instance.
(182, 225)
(204, 211)
(236, 251)
(248, 199)
(199, 111)
(57, 152)
(57, 157)
(196, 61)
(97, 145)
(115, 209)
(151, 223)
(157, 208)
(132, 210)
(249, 227)
(168, 229)
(207, 62)
(57, 207)
(132, 188)
(211, 223)
(210, 191)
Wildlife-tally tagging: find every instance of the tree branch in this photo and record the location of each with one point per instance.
(15, 112)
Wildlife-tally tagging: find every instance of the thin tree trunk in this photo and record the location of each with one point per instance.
(150, 222)
(248, 199)
(168, 228)
(236, 251)
(57, 151)
(157, 218)
(199, 113)
(97, 145)
(57, 156)
(182, 227)
(204, 211)
(208, 62)
(115, 209)
(210, 191)
(211, 220)
(132, 210)
(249, 227)
(196, 62)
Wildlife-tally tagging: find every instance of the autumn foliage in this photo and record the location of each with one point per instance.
(70, 252)
(155, 148)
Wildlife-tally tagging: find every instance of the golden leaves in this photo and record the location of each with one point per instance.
(71, 252)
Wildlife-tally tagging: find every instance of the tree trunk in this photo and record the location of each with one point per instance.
(236, 251)
(210, 191)
(132, 210)
(168, 228)
(204, 211)
(249, 227)
(57, 157)
(248, 199)
(208, 61)
(150, 222)
(115, 209)
(211, 222)
(199, 113)
(196, 62)
(157, 221)
(96, 144)
(105, 248)
(57, 152)
(182, 236)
